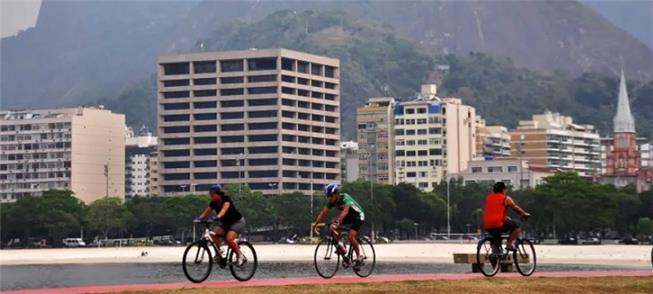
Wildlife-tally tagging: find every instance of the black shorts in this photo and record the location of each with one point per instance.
(353, 222)
(509, 226)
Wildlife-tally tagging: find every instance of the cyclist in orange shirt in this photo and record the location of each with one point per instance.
(495, 220)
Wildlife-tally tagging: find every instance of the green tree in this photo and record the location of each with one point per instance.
(645, 226)
(109, 215)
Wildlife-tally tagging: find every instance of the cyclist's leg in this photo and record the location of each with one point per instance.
(353, 235)
(219, 232)
(513, 227)
(232, 234)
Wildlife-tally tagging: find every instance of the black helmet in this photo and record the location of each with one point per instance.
(215, 189)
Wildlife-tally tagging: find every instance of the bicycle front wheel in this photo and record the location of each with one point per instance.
(247, 270)
(197, 261)
(524, 257)
(488, 260)
(364, 266)
(326, 259)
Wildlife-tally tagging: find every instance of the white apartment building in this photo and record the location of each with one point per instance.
(138, 152)
(513, 172)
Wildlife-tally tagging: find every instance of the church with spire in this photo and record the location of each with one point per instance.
(623, 163)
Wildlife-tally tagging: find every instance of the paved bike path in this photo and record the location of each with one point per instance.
(317, 280)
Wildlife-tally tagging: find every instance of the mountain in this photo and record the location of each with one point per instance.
(634, 17)
(84, 51)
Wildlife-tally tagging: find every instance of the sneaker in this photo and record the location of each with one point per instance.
(359, 262)
(240, 260)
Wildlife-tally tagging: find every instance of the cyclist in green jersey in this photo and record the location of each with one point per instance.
(351, 213)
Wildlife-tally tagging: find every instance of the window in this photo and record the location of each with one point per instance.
(302, 66)
(399, 132)
(410, 132)
(176, 117)
(287, 64)
(232, 151)
(205, 128)
(329, 71)
(264, 174)
(205, 116)
(261, 79)
(173, 177)
(205, 140)
(176, 141)
(204, 67)
(229, 175)
(411, 174)
(179, 68)
(477, 169)
(175, 106)
(207, 104)
(205, 93)
(421, 132)
(421, 110)
(262, 126)
(400, 153)
(262, 138)
(512, 169)
(262, 102)
(435, 151)
(176, 164)
(232, 115)
(257, 114)
(205, 152)
(205, 176)
(495, 169)
(232, 92)
(208, 81)
(176, 83)
(288, 79)
(231, 65)
(232, 139)
(268, 63)
(231, 80)
(410, 110)
(176, 94)
(176, 153)
(262, 90)
(265, 149)
(172, 130)
(232, 127)
(435, 130)
(263, 161)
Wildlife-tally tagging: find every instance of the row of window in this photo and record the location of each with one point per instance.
(241, 174)
(420, 121)
(254, 186)
(34, 127)
(308, 82)
(35, 165)
(412, 132)
(253, 64)
(307, 93)
(28, 176)
(250, 91)
(241, 150)
(435, 151)
(249, 162)
(42, 156)
(223, 80)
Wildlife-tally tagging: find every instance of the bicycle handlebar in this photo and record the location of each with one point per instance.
(208, 220)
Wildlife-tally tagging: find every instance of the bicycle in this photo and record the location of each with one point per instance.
(198, 258)
(490, 255)
(328, 250)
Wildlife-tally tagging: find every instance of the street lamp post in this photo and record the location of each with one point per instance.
(521, 163)
(448, 209)
(372, 180)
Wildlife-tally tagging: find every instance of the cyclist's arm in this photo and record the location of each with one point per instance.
(223, 211)
(205, 213)
(321, 215)
(510, 203)
(343, 214)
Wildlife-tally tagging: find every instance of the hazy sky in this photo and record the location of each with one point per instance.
(17, 15)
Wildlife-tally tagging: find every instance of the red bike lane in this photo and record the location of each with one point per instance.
(317, 280)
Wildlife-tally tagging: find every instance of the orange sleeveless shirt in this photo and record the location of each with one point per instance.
(494, 214)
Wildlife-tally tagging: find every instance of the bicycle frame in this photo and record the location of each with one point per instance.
(207, 237)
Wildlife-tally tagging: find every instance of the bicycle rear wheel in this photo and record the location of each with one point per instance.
(365, 267)
(487, 259)
(197, 261)
(524, 257)
(325, 259)
(248, 269)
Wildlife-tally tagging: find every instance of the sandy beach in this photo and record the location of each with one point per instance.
(622, 255)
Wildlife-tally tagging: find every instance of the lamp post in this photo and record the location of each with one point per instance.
(448, 209)
(372, 180)
(521, 163)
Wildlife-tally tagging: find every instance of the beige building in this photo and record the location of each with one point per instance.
(267, 118)
(434, 138)
(80, 149)
(551, 140)
(512, 171)
(491, 141)
(153, 163)
(375, 138)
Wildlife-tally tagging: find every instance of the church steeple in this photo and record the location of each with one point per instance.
(623, 121)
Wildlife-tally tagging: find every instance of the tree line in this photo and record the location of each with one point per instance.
(565, 205)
